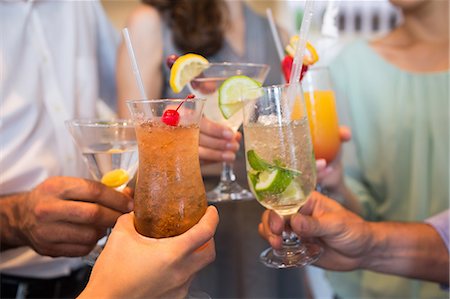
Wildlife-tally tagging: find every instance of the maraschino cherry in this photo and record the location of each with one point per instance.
(171, 117)
(170, 60)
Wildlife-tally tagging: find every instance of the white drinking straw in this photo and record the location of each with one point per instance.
(299, 53)
(134, 65)
(275, 35)
(301, 44)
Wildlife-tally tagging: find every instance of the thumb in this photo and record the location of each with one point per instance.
(306, 226)
(125, 223)
(200, 233)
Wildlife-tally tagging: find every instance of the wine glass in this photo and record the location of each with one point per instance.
(109, 149)
(281, 168)
(206, 85)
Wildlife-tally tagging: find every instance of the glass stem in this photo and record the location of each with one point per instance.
(227, 173)
(290, 246)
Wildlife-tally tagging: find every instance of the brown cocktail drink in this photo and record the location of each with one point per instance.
(170, 195)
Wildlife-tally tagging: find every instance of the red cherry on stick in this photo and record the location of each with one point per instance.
(286, 66)
(171, 117)
(170, 60)
(303, 71)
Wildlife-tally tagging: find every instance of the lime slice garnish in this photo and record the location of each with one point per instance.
(233, 90)
(293, 191)
(115, 178)
(256, 162)
(273, 182)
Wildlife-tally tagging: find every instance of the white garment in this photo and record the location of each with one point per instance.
(57, 59)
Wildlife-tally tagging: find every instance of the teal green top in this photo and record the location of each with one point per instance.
(399, 155)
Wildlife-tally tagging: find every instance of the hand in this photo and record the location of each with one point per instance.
(134, 266)
(330, 177)
(345, 236)
(66, 216)
(218, 143)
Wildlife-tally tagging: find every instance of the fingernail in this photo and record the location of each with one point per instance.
(131, 205)
(228, 134)
(230, 146)
(321, 163)
(228, 156)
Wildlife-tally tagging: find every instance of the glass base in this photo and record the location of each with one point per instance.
(228, 191)
(305, 254)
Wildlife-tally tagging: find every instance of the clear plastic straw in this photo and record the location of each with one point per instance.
(301, 44)
(275, 35)
(134, 65)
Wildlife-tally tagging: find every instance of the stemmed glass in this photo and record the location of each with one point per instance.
(109, 149)
(206, 85)
(280, 164)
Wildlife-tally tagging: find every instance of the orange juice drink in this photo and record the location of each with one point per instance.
(323, 122)
(170, 195)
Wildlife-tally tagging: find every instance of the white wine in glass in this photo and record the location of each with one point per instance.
(281, 167)
(206, 85)
(110, 151)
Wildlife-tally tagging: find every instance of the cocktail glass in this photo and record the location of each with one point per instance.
(281, 168)
(322, 113)
(206, 85)
(109, 149)
(170, 196)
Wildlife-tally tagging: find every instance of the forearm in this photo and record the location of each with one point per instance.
(11, 235)
(412, 250)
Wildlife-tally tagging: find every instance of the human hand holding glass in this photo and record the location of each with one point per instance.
(280, 164)
(110, 151)
(170, 197)
(151, 272)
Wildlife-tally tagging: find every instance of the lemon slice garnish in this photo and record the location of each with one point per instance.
(186, 68)
(115, 178)
(310, 57)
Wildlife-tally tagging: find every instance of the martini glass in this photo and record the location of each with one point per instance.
(109, 149)
(206, 85)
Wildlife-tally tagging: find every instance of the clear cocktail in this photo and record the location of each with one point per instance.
(206, 85)
(110, 151)
(280, 164)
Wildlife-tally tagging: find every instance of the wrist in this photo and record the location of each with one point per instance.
(376, 246)
(11, 233)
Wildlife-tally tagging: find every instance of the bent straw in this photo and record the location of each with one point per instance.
(301, 44)
(134, 65)
(275, 35)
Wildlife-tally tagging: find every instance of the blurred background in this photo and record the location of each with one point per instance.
(354, 18)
